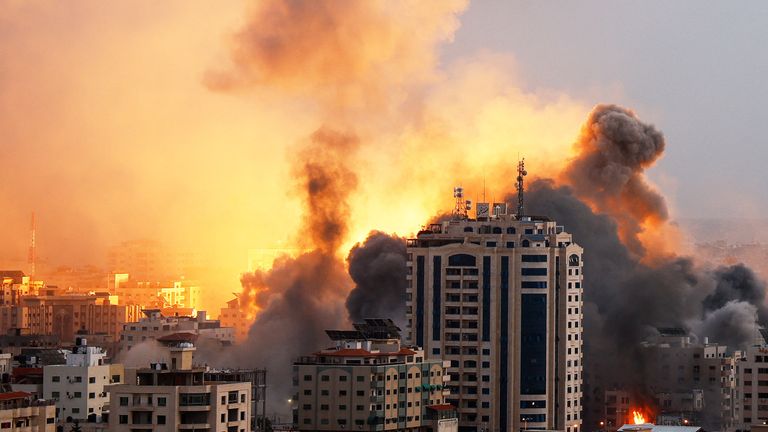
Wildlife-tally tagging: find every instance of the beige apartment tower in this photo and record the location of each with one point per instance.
(369, 382)
(499, 296)
(175, 395)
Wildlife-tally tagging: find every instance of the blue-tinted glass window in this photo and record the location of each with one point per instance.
(533, 284)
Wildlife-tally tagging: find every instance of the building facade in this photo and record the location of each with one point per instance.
(154, 325)
(65, 315)
(237, 317)
(20, 411)
(175, 395)
(79, 387)
(500, 298)
(368, 381)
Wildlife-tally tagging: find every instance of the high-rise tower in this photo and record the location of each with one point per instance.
(500, 297)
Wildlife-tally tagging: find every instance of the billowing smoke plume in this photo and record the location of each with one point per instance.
(378, 269)
(614, 149)
(300, 297)
(737, 283)
(605, 202)
(344, 54)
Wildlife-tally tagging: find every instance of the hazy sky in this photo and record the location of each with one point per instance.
(697, 70)
(109, 132)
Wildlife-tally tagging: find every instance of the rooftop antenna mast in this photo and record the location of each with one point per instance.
(521, 173)
(32, 258)
(462, 206)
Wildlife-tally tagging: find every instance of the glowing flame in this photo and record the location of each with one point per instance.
(638, 417)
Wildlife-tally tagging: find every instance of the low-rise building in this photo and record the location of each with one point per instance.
(236, 316)
(175, 395)
(79, 387)
(20, 411)
(368, 381)
(64, 315)
(154, 325)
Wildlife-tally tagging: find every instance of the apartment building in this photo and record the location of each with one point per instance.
(154, 325)
(691, 380)
(156, 293)
(15, 285)
(175, 395)
(79, 387)
(20, 411)
(237, 317)
(64, 315)
(500, 297)
(369, 381)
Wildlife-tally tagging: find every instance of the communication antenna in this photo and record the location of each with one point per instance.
(521, 173)
(32, 252)
(461, 207)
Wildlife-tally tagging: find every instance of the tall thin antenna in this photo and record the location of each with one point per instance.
(460, 210)
(521, 173)
(32, 258)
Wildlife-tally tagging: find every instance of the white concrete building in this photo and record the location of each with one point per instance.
(79, 387)
(500, 297)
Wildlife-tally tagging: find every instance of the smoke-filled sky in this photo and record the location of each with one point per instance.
(182, 120)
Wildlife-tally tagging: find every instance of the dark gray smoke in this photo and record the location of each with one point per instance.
(302, 297)
(627, 298)
(737, 282)
(378, 269)
(615, 148)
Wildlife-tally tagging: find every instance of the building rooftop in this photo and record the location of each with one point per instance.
(14, 395)
(357, 352)
(178, 337)
(370, 329)
(16, 275)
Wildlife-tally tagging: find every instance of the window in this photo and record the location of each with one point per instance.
(91, 395)
(307, 377)
(55, 395)
(534, 271)
(534, 258)
(325, 378)
(161, 419)
(78, 395)
(533, 284)
(92, 380)
(55, 378)
(124, 401)
(123, 419)
(462, 260)
(161, 401)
